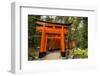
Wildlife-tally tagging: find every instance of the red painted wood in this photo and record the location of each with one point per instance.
(53, 32)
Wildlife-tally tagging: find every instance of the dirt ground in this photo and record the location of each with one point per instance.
(55, 55)
(52, 56)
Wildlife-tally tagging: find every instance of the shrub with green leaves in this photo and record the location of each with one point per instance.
(81, 53)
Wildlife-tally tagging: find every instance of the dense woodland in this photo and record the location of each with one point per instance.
(78, 32)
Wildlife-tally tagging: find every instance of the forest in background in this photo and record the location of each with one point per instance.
(78, 32)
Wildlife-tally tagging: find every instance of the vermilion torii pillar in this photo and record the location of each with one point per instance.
(53, 31)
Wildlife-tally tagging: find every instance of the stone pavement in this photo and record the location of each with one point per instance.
(52, 56)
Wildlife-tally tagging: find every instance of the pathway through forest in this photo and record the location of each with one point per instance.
(52, 56)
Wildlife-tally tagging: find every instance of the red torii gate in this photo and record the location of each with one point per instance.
(53, 31)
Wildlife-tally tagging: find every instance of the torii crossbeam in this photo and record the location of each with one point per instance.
(55, 32)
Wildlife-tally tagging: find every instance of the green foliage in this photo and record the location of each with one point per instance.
(83, 53)
(48, 19)
(32, 30)
(84, 33)
(78, 32)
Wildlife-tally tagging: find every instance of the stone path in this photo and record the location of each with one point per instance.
(52, 56)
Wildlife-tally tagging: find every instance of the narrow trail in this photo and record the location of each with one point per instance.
(52, 56)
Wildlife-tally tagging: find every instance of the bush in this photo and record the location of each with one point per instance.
(80, 53)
